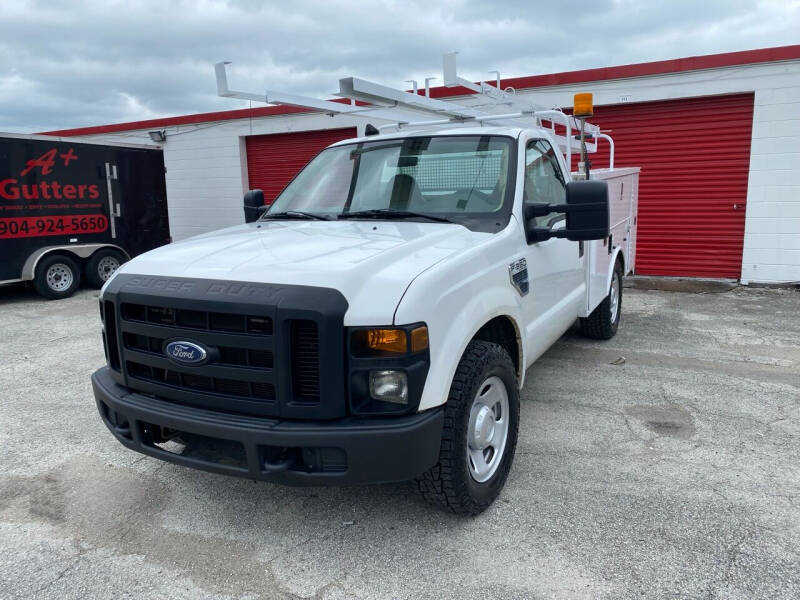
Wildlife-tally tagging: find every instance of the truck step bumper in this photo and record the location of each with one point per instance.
(345, 451)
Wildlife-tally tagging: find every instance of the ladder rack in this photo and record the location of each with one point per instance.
(403, 109)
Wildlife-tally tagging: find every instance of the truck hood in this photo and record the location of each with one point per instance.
(370, 262)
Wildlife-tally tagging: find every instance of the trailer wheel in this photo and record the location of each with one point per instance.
(479, 438)
(102, 265)
(603, 323)
(57, 276)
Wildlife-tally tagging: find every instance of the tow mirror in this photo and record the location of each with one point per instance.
(586, 209)
(253, 205)
(587, 212)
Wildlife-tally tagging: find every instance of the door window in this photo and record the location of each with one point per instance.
(544, 182)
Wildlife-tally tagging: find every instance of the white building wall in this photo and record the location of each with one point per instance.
(206, 166)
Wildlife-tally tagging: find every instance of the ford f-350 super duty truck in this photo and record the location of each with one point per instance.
(375, 323)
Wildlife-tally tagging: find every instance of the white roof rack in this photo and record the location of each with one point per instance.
(403, 109)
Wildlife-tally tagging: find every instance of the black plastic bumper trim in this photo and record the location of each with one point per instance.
(378, 450)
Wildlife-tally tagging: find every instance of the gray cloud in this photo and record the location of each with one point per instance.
(91, 63)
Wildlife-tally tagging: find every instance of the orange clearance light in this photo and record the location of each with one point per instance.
(385, 340)
(419, 339)
(582, 106)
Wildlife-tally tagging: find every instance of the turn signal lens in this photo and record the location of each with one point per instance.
(371, 342)
(366, 343)
(387, 340)
(582, 106)
(419, 339)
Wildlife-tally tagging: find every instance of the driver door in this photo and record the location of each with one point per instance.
(556, 265)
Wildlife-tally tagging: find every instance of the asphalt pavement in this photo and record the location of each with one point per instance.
(664, 463)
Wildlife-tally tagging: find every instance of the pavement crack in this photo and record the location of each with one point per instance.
(634, 436)
(46, 586)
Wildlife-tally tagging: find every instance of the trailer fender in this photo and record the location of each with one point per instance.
(79, 250)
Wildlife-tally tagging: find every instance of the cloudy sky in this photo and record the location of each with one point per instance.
(70, 64)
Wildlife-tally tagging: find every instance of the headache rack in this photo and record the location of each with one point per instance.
(400, 109)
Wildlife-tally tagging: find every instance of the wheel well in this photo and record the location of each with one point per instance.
(57, 252)
(503, 331)
(61, 252)
(78, 253)
(116, 249)
(621, 261)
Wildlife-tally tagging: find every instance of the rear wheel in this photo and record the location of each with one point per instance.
(57, 276)
(480, 432)
(102, 265)
(603, 323)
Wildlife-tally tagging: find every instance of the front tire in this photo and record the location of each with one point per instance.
(479, 438)
(603, 323)
(57, 276)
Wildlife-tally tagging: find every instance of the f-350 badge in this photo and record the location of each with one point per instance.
(518, 273)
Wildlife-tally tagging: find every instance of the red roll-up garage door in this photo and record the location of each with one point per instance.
(695, 158)
(273, 160)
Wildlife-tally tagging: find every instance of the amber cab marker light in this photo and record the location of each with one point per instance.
(582, 106)
(419, 339)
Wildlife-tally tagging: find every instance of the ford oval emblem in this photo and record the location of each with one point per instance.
(187, 353)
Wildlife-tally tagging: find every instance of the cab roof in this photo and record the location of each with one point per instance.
(513, 132)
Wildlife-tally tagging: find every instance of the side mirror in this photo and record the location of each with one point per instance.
(588, 214)
(586, 209)
(253, 205)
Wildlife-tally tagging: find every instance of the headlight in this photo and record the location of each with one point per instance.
(387, 367)
(389, 386)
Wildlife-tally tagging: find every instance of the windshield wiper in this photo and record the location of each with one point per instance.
(389, 213)
(296, 214)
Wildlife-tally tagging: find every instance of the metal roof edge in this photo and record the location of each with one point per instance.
(661, 67)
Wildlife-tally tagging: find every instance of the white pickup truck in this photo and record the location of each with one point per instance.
(375, 323)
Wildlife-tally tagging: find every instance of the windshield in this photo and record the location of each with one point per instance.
(460, 178)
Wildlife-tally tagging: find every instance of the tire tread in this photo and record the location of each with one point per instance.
(443, 485)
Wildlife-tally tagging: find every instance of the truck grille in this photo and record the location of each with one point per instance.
(217, 385)
(261, 359)
(196, 319)
(305, 360)
(237, 357)
(240, 346)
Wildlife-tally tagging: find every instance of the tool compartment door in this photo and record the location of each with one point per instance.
(622, 190)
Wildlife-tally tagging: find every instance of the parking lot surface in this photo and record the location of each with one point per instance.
(664, 463)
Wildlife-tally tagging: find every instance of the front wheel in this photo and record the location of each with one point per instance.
(480, 432)
(603, 323)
